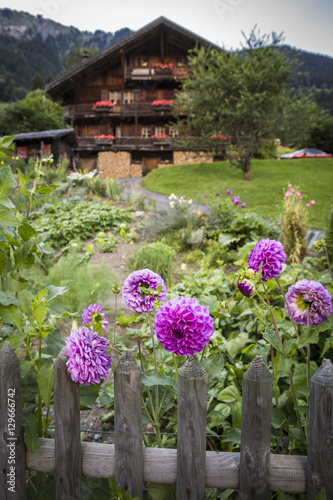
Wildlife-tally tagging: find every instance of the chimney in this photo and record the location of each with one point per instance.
(85, 56)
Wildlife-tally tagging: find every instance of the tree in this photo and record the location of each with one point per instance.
(235, 94)
(34, 113)
(37, 82)
(75, 57)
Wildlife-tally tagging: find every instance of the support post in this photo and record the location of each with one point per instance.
(67, 431)
(320, 446)
(191, 440)
(12, 449)
(128, 425)
(256, 432)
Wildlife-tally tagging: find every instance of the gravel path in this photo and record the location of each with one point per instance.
(133, 187)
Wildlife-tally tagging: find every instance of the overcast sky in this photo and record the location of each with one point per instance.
(307, 24)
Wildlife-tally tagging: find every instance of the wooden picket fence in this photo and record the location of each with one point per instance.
(254, 471)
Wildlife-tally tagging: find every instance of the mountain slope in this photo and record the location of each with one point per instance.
(31, 44)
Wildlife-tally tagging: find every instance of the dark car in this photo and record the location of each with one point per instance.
(306, 153)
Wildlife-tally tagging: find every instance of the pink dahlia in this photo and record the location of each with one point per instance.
(89, 361)
(308, 297)
(94, 315)
(134, 296)
(271, 255)
(183, 326)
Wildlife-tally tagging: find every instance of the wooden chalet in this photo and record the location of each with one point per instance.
(119, 102)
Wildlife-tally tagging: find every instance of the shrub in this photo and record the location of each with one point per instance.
(157, 256)
(113, 188)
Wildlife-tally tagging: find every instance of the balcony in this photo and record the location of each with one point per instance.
(89, 143)
(156, 73)
(121, 110)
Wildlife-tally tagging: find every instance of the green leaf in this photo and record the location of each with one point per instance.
(162, 491)
(6, 299)
(31, 438)
(56, 291)
(157, 379)
(283, 496)
(45, 382)
(88, 394)
(8, 219)
(26, 231)
(12, 315)
(4, 200)
(45, 189)
(270, 336)
(23, 182)
(6, 141)
(229, 394)
(16, 285)
(278, 417)
(308, 336)
(40, 313)
(321, 495)
(7, 181)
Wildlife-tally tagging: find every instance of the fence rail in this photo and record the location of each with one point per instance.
(254, 471)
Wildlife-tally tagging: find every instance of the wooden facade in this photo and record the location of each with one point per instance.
(121, 99)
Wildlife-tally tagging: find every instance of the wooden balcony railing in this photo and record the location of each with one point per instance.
(156, 73)
(121, 110)
(125, 143)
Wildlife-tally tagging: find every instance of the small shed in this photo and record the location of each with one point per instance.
(58, 142)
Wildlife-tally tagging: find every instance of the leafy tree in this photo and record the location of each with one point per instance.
(34, 113)
(238, 94)
(299, 115)
(75, 57)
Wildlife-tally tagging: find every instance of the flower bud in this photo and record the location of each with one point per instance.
(246, 287)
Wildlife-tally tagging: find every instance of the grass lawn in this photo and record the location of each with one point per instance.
(312, 177)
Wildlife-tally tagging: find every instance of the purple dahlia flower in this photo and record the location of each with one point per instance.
(246, 287)
(183, 326)
(228, 191)
(132, 294)
(309, 295)
(243, 205)
(89, 361)
(94, 314)
(271, 254)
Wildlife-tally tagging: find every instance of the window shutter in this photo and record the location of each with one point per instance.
(104, 95)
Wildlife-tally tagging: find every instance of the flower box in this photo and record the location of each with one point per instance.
(102, 106)
(104, 139)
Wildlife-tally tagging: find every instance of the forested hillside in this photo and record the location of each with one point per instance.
(31, 45)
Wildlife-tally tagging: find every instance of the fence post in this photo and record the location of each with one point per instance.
(12, 449)
(67, 431)
(256, 432)
(320, 445)
(128, 425)
(191, 425)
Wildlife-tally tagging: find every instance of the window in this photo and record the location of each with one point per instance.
(159, 129)
(145, 131)
(115, 96)
(173, 131)
(141, 61)
(118, 131)
(128, 96)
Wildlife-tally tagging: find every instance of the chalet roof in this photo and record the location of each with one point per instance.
(47, 134)
(57, 87)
